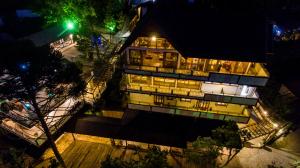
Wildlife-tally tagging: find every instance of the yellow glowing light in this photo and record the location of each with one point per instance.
(275, 125)
(153, 38)
(265, 112)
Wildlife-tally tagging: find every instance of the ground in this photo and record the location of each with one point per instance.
(88, 151)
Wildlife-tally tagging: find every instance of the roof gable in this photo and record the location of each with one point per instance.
(207, 34)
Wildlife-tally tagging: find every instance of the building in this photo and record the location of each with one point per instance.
(183, 60)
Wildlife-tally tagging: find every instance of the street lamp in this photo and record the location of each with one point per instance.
(70, 25)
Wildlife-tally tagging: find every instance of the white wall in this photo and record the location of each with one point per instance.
(216, 88)
(227, 89)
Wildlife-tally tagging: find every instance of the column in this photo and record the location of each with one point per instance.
(248, 67)
(127, 56)
(206, 62)
(152, 80)
(235, 67)
(178, 61)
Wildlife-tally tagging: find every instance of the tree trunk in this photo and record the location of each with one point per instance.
(47, 131)
(230, 152)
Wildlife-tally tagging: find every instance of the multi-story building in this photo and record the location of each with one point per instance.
(182, 60)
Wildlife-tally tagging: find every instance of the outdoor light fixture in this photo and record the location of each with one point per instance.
(70, 25)
(265, 112)
(27, 105)
(153, 38)
(24, 66)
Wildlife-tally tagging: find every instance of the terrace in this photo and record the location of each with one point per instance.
(189, 107)
(190, 89)
(19, 118)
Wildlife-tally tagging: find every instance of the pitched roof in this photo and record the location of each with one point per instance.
(47, 36)
(207, 33)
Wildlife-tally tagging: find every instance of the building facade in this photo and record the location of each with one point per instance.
(160, 77)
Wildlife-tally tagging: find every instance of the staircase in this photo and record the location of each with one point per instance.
(263, 125)
(256, 130)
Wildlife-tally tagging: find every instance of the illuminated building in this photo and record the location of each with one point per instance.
(182, 60)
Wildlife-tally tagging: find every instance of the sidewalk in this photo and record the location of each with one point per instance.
(261, 158)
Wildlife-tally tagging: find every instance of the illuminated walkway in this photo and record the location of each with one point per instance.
(89, 151)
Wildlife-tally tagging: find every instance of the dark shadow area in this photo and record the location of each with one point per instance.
(147, 127)
(267, 149)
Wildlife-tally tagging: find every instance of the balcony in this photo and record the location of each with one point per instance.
(259, 79)
(191, 111)
(191, 93)
(152, 42)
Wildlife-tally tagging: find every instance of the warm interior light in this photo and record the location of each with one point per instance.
(153, 38)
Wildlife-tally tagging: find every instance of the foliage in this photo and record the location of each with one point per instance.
(274, 165)
(53, 163)
(228, 136)
(12, 158)
(80, 12)
(86, 14)
(204, 151)
(119, 163)
(33, 69)
(154, 158)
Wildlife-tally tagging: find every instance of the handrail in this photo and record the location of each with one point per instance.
(190, 71)
(191, 109)
(142, 87)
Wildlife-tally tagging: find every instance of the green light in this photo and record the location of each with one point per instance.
(111, 28)
(70, 25)
(111, 25)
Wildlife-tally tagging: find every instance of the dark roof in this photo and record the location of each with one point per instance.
(207, 33)
(47, 36)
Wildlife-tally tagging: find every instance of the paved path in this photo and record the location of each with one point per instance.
(261, 158)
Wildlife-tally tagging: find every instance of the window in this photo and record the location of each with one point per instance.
(185, 100)
(164, 82)
(190, 84)
(170, 60)
(140, 79)
(135, 57)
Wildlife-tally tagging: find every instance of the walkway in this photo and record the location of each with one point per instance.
(264, 124)
(90, 151)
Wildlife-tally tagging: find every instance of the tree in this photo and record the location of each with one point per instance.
(12, 158)
(203, 152)
(33, 69)
(155, 158)
(88, 15)
(80, 12)
(228, 136)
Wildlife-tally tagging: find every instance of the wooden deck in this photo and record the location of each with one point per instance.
(90, 154)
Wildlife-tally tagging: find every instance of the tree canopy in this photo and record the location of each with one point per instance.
(35, 67)
(87, 15)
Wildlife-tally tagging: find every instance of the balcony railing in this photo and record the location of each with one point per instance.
(263, 72)
(221, 77)
(152, 43)
(242, 117)
(167, 70)
(180, 91)
(165, 90)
